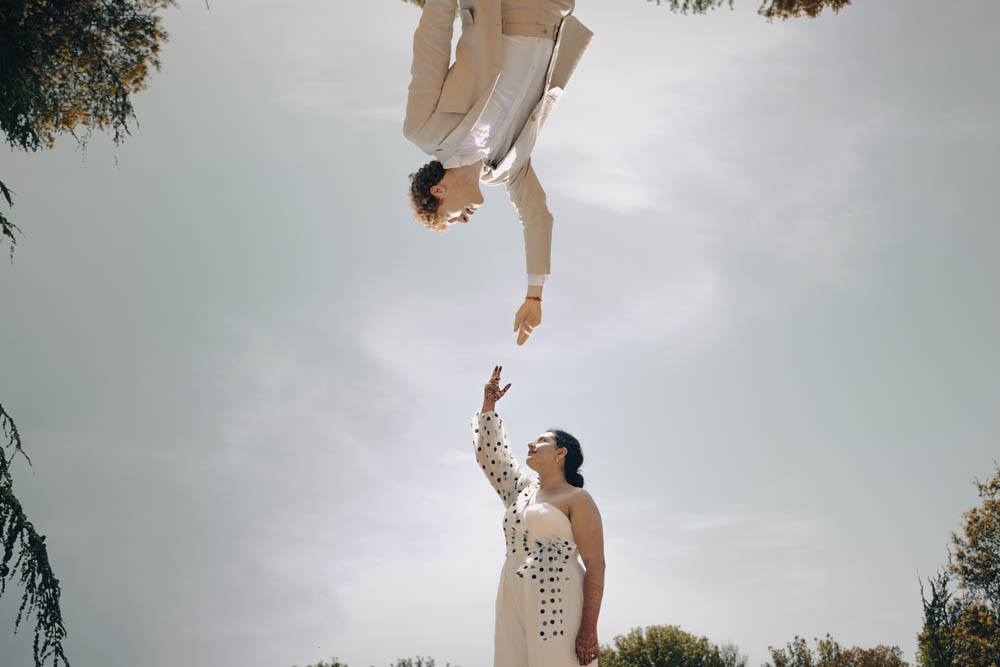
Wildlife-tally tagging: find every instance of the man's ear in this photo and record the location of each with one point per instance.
(438, 190)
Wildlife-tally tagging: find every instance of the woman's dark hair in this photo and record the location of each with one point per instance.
(574, 456)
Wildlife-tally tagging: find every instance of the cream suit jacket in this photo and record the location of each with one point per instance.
(446, 99)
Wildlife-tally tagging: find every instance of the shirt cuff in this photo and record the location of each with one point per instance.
(536, 279)
(457, 160)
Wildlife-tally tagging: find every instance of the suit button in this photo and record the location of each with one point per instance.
(532, 116)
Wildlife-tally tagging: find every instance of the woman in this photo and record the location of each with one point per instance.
(547, 605)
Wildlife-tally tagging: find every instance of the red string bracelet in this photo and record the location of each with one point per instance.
(536, 298)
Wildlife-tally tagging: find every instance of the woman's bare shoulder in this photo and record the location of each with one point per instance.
(580, 496)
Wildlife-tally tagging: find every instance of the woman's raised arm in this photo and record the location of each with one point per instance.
(499, 464)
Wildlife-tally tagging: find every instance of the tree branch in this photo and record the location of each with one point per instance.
(41, 588)
(7, 228)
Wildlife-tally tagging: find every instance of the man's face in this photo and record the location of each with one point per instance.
(460, 197)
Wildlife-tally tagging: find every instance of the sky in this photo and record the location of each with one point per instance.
(245, 375)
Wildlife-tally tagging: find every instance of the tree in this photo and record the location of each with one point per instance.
(957, 632)
(64, 65)
(977, 637)
(829, 653)
(41, 588)
(962, 627)
(402, 662)
(977, 549)
(668, 646)
(770, 9)
(937, 645)
(69, 64)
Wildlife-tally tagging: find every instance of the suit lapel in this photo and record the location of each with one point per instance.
(572, 41)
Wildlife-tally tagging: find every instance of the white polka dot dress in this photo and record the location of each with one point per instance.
(540, 597)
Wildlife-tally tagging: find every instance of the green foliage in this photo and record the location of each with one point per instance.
(7, 228)
(667, 646)
(693, 6)
(770, 9)
(962, 627)
(958, 632)
(66, 64)
(977, 548)
(831, 654)
(41, 588)
(402, 662)
(977, 636)
(786, 9)
(936, 643)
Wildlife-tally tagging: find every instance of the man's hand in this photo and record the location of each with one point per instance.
(529, 316)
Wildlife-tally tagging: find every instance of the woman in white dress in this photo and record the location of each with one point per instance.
(547, 602)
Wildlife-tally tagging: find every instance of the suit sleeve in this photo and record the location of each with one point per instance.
(493, 453)
(528, 197)
(431, 60)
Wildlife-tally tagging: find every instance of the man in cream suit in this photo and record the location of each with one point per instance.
(480, 115)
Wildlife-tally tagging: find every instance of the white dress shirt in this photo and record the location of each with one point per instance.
(518, 90)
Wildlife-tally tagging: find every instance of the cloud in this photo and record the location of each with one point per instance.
(325, 95)
(711, 572)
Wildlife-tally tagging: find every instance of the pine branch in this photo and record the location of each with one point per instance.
(7, 228)
(18, 534)
(692, 6)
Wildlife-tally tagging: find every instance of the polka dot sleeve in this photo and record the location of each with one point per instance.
(495, 458)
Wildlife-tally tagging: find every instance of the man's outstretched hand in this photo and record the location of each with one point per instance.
(529, 316)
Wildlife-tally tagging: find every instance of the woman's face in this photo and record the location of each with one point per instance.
(543, 451)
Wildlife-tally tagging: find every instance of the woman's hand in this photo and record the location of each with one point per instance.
(587, 649)
(493, 393)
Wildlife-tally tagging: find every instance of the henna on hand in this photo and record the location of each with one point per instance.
(493, 393)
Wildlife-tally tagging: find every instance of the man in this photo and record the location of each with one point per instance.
(480, 116)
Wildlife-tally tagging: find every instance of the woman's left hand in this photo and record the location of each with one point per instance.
(587, 649)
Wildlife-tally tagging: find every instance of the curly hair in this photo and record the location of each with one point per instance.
(425, 205)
